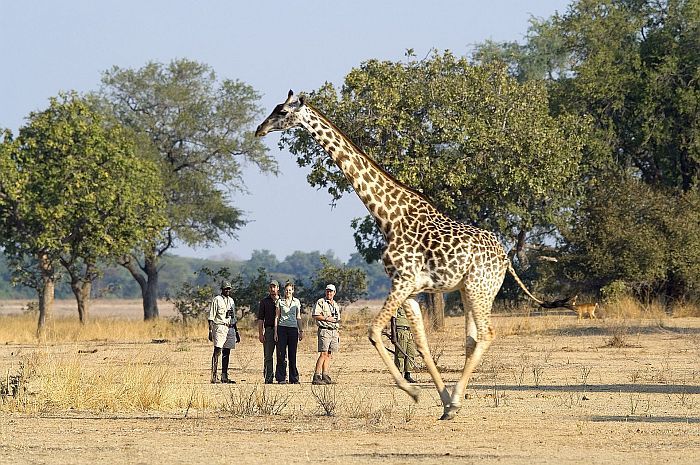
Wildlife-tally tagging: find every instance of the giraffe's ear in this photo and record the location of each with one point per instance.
(289, 96)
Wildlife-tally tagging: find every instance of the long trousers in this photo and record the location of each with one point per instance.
(287, 343)
(269, 353)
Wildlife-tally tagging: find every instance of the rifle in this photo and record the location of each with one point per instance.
(393, 337)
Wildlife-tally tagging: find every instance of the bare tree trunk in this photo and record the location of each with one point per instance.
(147, 283)
(46, 293)
(81, 291)
(436, 310)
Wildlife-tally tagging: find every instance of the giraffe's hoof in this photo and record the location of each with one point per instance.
(414, 392)
(450, 412)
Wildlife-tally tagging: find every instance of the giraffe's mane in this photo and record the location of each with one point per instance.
(370, 159)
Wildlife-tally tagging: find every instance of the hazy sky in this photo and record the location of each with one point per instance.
(51, 46)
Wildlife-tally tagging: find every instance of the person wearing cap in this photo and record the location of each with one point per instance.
(327, 315)
(223, 331)
(288, 333)
(267, 310)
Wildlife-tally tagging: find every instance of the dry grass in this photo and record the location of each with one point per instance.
(629, 308)
(20, 329)
(58, 374)
(52, 381)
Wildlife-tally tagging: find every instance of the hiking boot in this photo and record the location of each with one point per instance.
(284, 381)
(407, 377)
(327, 379)
(214, 379)
(227, 380)
(318, 379)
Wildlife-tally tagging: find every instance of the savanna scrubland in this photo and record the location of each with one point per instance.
(624, 388)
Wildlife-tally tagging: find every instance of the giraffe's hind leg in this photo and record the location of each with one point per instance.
(395, 299)
(478, 314)
(415, 319)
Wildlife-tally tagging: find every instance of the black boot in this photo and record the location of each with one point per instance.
(215, 365)
(224, 367)
(407, 377)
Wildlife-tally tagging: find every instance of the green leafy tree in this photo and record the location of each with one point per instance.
(260, 259)
(636, 71)
(480, 145)
(201, 128)
(633, 67)
(378, 283)
(79, 194)
(31, 253)
(193, 297)
(350, 283)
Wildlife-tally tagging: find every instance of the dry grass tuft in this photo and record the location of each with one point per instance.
(629, 308)
(249, 400)
(685, 310)
(20, 329)
(56, 382)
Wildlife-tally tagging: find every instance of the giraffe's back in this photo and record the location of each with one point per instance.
(442, 253)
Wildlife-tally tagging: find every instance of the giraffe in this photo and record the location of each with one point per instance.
(426, 251)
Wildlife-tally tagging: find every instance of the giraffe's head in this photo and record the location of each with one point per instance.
(284, 116)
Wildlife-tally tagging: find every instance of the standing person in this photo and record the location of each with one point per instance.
(266, 329)
(288, 333)
(327, 315)
(223, 331)
(404, 347)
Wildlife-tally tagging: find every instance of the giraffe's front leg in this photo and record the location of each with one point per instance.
(415, 319)
(375, 337)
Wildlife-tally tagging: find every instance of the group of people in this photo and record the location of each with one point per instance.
(280, 329)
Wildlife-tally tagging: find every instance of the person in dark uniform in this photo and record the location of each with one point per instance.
(404, 346)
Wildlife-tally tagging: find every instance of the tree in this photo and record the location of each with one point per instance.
(636, 70)
(378, 283)
(201, 130)
(350, 283)
(29, 253)
(259, 259)
(79, 194)
(481, 146)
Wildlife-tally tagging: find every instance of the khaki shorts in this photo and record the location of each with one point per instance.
(224, 337)
(328, 340)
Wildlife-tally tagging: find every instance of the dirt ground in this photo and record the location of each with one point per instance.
(551, 389)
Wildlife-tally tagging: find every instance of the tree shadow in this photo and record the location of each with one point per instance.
(629, 329)
(643, 419)
(622, 388)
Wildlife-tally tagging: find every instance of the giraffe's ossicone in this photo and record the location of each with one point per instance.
(426, 251)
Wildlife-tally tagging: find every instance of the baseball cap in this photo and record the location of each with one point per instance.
(330, 287)
(274, 283)
(225, 285)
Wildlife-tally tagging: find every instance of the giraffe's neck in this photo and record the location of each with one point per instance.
(381, 194)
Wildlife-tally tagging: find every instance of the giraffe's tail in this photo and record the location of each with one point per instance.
(543, 303)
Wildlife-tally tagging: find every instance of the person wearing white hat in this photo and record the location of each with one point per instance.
(327, 315)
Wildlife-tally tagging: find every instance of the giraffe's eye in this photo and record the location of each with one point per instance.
(284, 112)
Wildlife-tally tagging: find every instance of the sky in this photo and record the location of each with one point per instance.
(273, 45)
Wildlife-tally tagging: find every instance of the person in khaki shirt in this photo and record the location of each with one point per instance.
(223, 331)
(327, 315)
